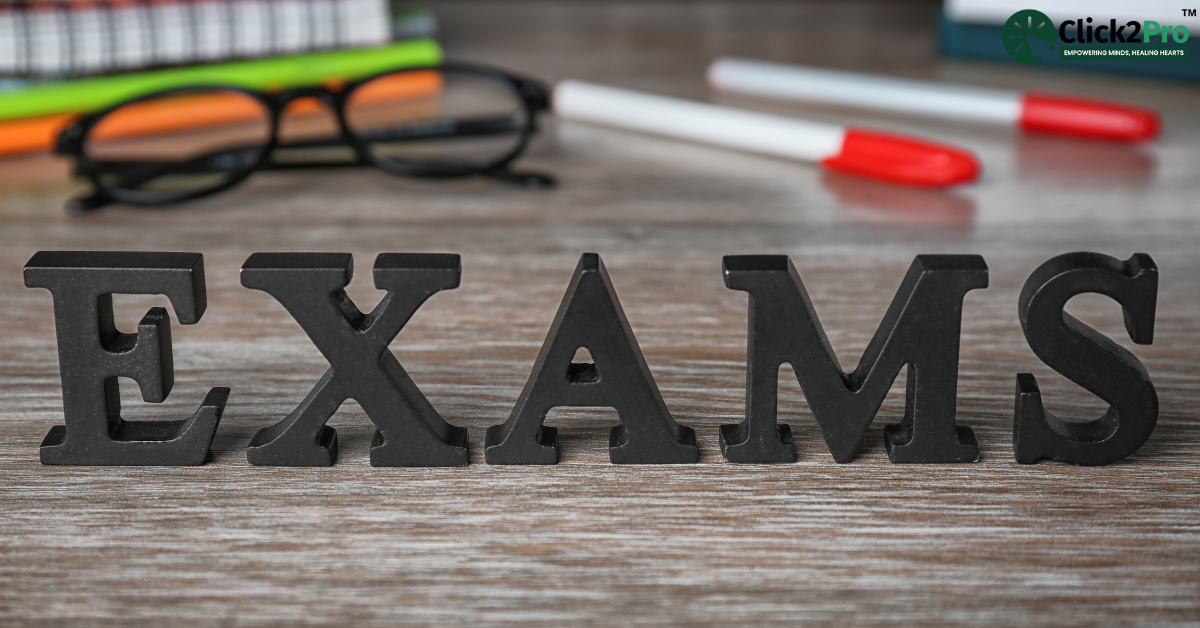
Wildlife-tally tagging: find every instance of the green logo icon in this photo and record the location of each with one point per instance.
(1019, 31)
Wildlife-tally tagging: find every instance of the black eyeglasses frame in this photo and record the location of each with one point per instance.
(531, 93)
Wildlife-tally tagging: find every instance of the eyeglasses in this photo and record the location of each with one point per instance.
(175, 145)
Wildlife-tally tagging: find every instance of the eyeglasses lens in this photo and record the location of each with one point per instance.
(178, 144)
(438, 121)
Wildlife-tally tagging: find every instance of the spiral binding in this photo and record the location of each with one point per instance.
(63, 38)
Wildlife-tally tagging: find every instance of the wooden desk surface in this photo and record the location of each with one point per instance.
(586, 542)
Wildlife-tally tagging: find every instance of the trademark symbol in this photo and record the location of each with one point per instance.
(1189, 13)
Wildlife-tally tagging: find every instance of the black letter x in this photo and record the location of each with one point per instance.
(410, 433)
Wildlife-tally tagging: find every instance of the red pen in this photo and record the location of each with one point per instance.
(884, 156)
(1043, 113)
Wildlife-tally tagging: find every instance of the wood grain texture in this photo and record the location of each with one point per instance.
(585, 542)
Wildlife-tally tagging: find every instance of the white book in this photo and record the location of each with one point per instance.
(361, 27)
(54, 38)
(324, 15)
(89, 52)
(249, 29)
(291, 23)
(169, 26)
(10, 55)
(48, 49)
(211, 27)
(130, 39)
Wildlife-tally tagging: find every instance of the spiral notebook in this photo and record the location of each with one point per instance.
(66, 38)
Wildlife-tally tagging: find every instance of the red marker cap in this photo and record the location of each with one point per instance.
(902, 160)
(1087, 118)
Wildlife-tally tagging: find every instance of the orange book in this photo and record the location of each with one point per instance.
(39, 133)
(25, 135)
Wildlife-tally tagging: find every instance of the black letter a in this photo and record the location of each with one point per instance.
(590, 316)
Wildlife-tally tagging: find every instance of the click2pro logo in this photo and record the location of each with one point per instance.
(1021, 32)
(1029, 35)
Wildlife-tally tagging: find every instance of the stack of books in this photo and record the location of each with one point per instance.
(62, 58)
(53, 39)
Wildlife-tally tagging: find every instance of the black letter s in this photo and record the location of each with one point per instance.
(1088, 358)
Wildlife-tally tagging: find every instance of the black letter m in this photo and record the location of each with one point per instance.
(921, 329)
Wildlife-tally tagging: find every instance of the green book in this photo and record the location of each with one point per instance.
(92, 94)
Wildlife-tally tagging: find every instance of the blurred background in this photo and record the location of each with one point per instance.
(64, 60)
